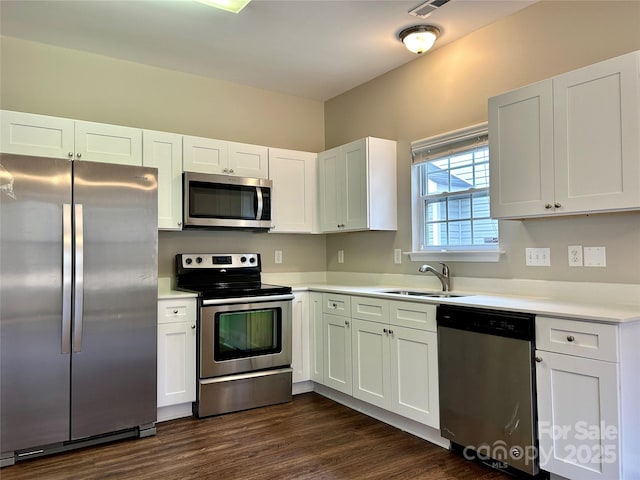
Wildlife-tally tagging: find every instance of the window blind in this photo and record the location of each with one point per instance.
(449, 143)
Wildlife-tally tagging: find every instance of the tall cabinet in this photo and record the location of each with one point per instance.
(569, 144)
(357, 186)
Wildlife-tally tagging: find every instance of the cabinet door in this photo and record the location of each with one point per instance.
(300, 338)
(337, 353)
(597, 141)
(370, 349)
(330, 183)
(204, 155)
(99, 142)
(355, 191)
(521, 146)
(176, 363)
(163, 151)
(248, 160)
(293, 199)
(578, 416)
(414, 375)
(38, 135)
(316, 334)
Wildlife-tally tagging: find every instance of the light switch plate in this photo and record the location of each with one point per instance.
(538, 257)
(340, 256)
(397, 256)
(278, 256)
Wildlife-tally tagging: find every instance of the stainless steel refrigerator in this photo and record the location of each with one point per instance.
(78, 303)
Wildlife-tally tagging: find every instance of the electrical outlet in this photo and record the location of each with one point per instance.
(278, 256)
(575, 255)
(538, 257)
(595, 257)
(340, 256)
(397, 256)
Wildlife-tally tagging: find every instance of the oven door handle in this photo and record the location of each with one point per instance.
(264, 298)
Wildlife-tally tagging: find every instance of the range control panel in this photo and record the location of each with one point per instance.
(218, 260)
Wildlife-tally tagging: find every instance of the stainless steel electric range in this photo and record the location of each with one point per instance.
(244, 332)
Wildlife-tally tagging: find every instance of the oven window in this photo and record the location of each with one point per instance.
(207, 200)
(247, 333)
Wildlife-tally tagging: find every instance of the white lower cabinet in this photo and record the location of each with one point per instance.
(384, 353)
(587, 396)
(414, 375)
(316, 335)
(176, 351)
(371, 362)
(337, 352)
(300, 338)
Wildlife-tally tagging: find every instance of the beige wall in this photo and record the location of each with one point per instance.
(448, 89)
(54, 81)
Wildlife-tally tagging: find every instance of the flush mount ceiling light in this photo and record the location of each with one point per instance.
(419, 38)
(233, 6)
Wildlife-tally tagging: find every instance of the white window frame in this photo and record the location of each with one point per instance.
(437, 147)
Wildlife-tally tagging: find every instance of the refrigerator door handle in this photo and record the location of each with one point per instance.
(66, 278)
(79, 280)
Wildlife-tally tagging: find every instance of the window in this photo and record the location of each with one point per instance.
(451, 195)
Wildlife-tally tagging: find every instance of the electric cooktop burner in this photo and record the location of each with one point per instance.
(223, 275)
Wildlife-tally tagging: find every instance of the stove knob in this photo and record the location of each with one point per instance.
(188, 261)
(252, 260)
(243, 259)
(198, 259)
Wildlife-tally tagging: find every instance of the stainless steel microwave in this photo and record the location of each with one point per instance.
(223, 201)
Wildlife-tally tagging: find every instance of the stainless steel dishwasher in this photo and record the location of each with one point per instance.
(487, 382)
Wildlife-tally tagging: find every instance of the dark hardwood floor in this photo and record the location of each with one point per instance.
(309, 438)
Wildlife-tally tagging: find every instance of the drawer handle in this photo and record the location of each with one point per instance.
(571, 338)
(538, 359)
(175, 312)
(193, 327)
(346, 322)
(334, 305)
(390, 332)
(384, 330)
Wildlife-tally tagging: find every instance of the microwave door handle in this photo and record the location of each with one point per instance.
(260, 203)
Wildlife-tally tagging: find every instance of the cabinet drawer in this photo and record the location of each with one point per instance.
(336, 304)
(369, 308)
(413, 315)
(176, 310)
(583, 339)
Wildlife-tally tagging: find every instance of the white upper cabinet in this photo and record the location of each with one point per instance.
(293, 199)
(248, 160)
(42, 135)
(163, 151)
(357, 184)
(521, 148)
(39, 135)
(568, 145)
(208, 155)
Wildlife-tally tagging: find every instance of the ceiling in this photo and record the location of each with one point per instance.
(315, 49)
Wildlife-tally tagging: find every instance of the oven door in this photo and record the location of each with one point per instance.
(244, 337)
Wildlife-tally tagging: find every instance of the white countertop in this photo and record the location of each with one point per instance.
(600, 311)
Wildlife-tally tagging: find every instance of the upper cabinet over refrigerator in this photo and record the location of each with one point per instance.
(45, 136)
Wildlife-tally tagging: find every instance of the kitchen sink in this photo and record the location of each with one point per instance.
(418, 293)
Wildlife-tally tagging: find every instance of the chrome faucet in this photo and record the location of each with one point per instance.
(444, 277)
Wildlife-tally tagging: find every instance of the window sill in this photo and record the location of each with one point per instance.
(457, 255)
